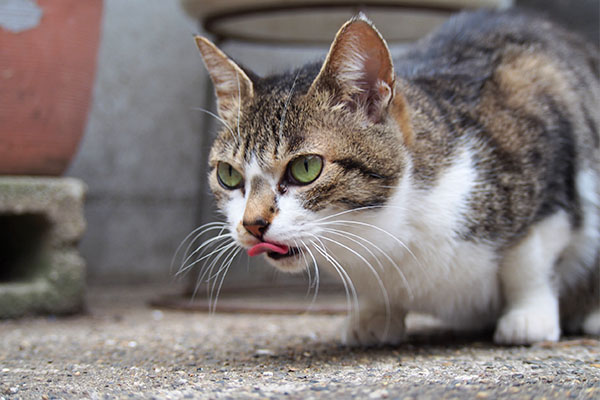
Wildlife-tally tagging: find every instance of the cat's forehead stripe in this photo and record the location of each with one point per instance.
(266, 135)
(255, 172)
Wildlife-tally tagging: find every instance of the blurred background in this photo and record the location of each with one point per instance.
(142, 153)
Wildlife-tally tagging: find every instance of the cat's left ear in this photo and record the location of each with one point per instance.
(232, 85)
(359, 70)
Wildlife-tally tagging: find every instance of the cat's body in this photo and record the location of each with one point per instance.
(465, 185)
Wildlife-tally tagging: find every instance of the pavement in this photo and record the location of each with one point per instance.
(123, 348)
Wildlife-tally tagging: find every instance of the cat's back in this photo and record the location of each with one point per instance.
(473, 44)
(525, 59)
(525, 93)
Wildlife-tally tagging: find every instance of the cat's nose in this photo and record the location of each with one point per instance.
(257, 227)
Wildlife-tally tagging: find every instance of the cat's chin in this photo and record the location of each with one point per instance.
(288, 263)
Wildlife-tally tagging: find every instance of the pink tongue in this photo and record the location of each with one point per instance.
(264, 247)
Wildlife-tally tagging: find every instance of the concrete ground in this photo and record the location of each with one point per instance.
(124, 349)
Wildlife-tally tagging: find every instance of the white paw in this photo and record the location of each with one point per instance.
(527, 326)
(591, 324)
(374, 330)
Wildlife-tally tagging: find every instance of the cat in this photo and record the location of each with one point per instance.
(460, 180)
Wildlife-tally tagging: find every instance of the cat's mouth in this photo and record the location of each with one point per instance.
(274, 250)
(292, 251)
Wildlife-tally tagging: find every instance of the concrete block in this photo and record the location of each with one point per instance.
(41, 222)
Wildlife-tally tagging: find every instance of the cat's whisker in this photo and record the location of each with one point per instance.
(198, 232)
(301, 250)
(287, 103)
(350, 289)
(205, 246)
(223, 271)
(360, 223)
(384, 292)
(350, 236)
(220, 253)
(188, 254)
(221, 120)
(239, 104)
(207, 269)
(336, 266)
(347, 235)
(317, 275)
(311, 284)
(203, 228)
(346, 212)
(202, 248)
(358, 209)
(205, 256)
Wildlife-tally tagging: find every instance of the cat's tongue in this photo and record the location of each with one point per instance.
(263, 247)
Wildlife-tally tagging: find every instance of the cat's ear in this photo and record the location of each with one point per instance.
(232, 85)
(359, 69)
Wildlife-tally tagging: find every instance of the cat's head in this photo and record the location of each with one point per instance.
(299, 148)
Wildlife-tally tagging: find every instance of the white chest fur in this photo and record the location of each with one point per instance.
(427, 267)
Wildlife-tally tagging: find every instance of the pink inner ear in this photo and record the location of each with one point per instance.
(267, 247)
(372, 69)
(360, 62)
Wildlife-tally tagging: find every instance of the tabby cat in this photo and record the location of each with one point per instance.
(460, 180)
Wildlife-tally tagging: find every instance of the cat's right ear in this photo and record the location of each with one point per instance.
(232, 85)
(358, 70)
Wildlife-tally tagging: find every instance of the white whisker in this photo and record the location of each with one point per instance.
(203, 229)
(187, 255)
(358, 209)
(225, 268)
(221, 251)
(221, 120)
(203, 257)
(350, 236)
(208, 269)
(311, 284)
(239, 108)
(350, 222)
(287, 102)
(351, 294)
(384, 292)
(301, 250)
(317, 277)
(207, 244)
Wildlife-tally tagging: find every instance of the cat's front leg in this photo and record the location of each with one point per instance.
(531, 314)
(374, 326)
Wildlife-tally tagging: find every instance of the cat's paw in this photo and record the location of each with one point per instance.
(527, 326)
(374, 330)
(591, 324)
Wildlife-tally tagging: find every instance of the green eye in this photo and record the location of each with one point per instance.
(304, 170)
(228, 176)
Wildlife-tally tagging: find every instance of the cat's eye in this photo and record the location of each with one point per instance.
(228, 176)
(304, 170)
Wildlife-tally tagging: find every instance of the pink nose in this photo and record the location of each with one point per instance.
(257, 228)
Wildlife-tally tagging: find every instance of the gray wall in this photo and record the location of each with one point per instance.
(141, 154)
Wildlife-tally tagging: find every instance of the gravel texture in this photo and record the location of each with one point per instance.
(123, 349)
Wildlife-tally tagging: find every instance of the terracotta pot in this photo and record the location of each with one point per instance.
(46, 77)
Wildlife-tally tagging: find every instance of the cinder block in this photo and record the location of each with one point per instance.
(41, 222)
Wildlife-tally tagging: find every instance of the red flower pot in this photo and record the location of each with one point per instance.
(46, 78)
